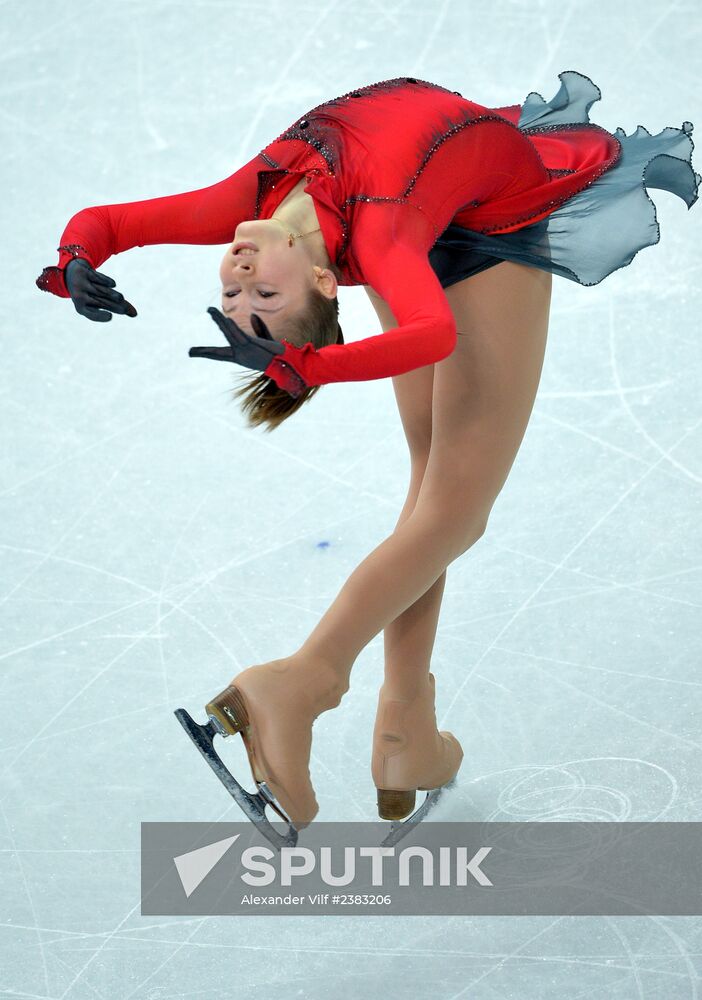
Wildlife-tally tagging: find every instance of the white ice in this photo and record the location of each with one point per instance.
(151, 545)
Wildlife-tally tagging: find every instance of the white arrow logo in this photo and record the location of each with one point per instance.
(195, 866)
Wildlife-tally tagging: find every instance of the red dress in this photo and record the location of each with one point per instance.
(390, 168)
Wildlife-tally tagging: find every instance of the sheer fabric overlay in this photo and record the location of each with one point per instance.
(601, 228)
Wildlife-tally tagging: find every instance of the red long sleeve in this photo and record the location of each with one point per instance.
(206, 216)
(391, 242)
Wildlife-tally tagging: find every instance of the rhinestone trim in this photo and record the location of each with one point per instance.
(73, 249)
(269, 159)
(555, 202)
(266, 182)
(318, 135)
(285, 377)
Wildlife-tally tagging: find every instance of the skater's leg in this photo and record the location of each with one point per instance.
(482, 399)
(409, 639)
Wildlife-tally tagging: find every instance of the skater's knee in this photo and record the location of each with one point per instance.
(455, 529)
(471, 533)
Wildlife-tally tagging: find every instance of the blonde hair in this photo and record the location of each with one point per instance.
(264, 403)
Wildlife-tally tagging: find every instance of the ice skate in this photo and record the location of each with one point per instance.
(273, 707)
(410, 755)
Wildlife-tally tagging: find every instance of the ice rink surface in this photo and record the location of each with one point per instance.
(151, 545)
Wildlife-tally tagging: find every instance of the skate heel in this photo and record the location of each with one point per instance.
(394, 804)
(228, 712)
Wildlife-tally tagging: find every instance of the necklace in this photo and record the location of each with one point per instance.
(293, 236)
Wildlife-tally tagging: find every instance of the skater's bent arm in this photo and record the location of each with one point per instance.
(400, 275)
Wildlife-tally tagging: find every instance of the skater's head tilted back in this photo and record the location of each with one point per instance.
(293, 288)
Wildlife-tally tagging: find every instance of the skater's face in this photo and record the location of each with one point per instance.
(273, 282)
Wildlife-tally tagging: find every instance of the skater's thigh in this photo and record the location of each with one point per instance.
(483, 393)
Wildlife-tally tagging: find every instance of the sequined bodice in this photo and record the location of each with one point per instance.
(369, 145)
(411, 142)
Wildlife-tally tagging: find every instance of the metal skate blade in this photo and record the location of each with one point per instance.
(253, 805)
(398, 830)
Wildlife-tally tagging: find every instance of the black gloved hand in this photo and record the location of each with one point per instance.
(251, 352)
(93, 293)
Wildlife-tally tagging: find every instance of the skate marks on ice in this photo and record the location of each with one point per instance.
(398, 830)
(254, 806)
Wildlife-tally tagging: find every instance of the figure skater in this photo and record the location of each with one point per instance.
(454, 217)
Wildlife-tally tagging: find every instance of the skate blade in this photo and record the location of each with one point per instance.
(252, 805)
(398, 830)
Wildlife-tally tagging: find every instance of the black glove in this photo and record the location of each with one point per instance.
(251, 352)
(93, 293)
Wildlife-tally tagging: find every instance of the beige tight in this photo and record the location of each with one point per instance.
(464, 419)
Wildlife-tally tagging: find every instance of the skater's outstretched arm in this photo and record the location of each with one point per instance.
(207, 215)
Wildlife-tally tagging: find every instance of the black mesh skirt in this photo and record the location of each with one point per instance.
(601, 228)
